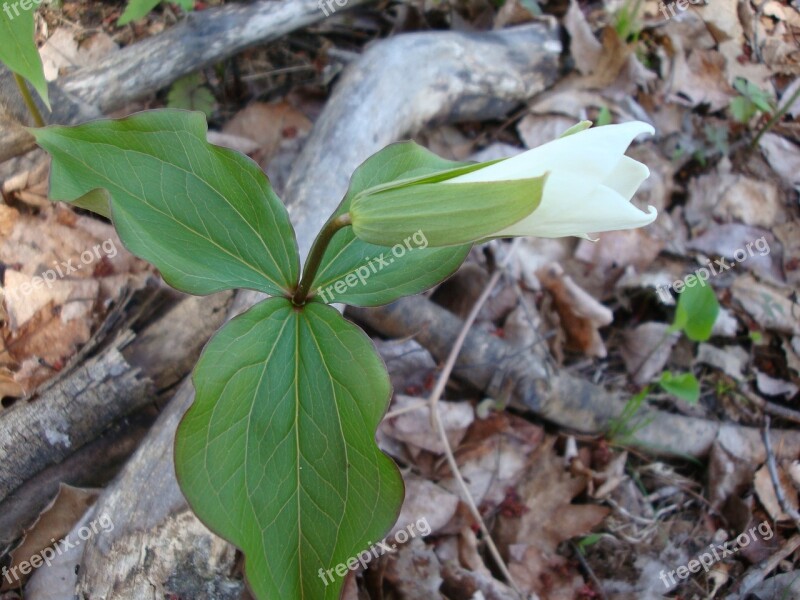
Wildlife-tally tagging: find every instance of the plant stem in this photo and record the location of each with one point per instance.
(26, 96)
(315, 256)
(778, 115)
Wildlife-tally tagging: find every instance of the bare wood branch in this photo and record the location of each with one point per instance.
(490, 364)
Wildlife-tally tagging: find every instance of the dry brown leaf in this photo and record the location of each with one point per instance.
(615, 250)
(584, 48)
(733, 197)
(766, 492)
(731, 360)
(771, 386)
(769, 306)
(62, 271)
(54, 522)
(61, 52)
(581, 315)
(414, 427)
(425, 500)
(723, 18)
(646, 350)
(745, 248)
(730, 471)
(700, 79)
(415, 572)
(532, 538)
(783, 156)
(9, 387)
(537, 130)
(493, 456)
(8, 219)
(269, 125)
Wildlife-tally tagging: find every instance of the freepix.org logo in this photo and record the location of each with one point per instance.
(102, 524)
(12, 9)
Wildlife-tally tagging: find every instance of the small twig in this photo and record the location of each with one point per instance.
(776, 482)
(407, 409)
(29, 102)
(776, 117)
(776, 410)
(758, 573)
(438, 389)
(584, 563)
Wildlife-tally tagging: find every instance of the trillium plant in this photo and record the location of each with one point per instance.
(277, 454)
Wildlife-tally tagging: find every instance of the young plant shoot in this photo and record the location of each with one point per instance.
(277, 454)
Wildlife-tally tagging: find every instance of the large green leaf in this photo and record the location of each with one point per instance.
(378, 274)
(205, 216)
(18, 49)
(277, 454)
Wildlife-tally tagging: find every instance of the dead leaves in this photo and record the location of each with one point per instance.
(61, 272)
(531, 538)
(55, 521)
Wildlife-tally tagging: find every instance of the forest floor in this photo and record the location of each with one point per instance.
(574, 515)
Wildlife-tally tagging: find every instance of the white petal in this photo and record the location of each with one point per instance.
(626, 177)
(603, 210)
(578, 162)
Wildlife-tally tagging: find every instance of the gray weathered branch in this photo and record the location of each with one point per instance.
(490, 364)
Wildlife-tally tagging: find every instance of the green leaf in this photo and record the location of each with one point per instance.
(378, 275)
(742, 109)
(205, 216)
(755, 94)
(137, 9)
(604, 116)
(684, 386)
(277, 454)
(18, 49)
(696, 312)
(189, 93)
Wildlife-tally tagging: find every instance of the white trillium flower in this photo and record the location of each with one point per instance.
(589, 186)
(578, 184)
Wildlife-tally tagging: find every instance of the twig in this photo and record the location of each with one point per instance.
(758, 573)
(586, 567)
(776, 482)
(777, 116)
(438, 389)
(776, 410)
